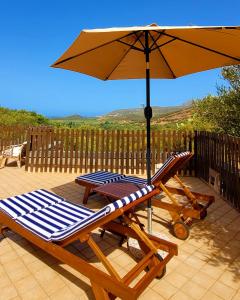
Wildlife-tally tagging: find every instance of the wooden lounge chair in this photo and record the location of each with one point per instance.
(93, 180)
(50, 222)
(13, 152)
(181, 214)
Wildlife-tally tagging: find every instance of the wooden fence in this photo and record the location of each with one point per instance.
(222, 154)
(12, 135)
(74, 150)
(80, 151)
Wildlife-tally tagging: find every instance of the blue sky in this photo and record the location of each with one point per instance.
(35, 33)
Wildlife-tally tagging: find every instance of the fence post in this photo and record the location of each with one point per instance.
(195, 153)
(28, 140)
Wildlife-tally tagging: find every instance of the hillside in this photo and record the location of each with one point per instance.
(68, 118)
(21, 117)
(175, 117)
(170, 117)
(136, 114)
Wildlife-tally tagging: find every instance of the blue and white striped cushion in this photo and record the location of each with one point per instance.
(170, 159)
(26, 203)
(63, 234)
(102, 177)
(134, 179)
(60, 219)
(161, 170)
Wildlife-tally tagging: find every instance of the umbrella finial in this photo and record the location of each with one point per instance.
(153, 25)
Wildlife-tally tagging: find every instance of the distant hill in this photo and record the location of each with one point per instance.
(137, 114)
(71, 117)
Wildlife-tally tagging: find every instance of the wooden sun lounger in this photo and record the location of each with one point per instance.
(181, 214)
(62, 222)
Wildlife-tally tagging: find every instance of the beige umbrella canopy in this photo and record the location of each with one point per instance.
(151, 52)
(117, 53)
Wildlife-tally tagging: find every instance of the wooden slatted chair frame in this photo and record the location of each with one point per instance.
(181, 214)
(107, 285)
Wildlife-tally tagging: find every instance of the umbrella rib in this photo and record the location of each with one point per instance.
(165, 60)
(102, 45)
(155, 41)
(138, 37)
(130, 48)
(200, 46)
(159, 46)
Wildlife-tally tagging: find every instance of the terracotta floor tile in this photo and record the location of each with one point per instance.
(25, 284)
(193, 290)
(18, 273)
(186, 269)
(203, 280)
(63, 294)
(231, 279)
(8, 292)
(49, 280)
(210, 296)
(151, 295)
(36, 293)
(181, 296)
(176, 279)
(4, 280)
(212, 270)
(164, 288)
(223, 290)
(236, 296)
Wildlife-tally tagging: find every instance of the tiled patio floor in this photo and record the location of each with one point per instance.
(207, 267)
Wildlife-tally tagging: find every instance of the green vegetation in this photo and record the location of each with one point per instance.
(221, 113)
(21, 117)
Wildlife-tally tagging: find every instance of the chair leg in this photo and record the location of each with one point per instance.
(99, 292)
(188, 193)
(86, 194)
(3, 161)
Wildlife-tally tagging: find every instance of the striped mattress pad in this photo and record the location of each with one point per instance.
(53, 218)
(104, 177)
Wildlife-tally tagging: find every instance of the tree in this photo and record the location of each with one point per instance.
(221, 113)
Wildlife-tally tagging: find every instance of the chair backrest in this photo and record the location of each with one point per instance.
(170, 166)
(180, 163)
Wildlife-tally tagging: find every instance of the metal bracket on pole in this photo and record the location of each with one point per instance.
(148, 112)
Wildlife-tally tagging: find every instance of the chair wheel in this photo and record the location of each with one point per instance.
(181, 230)
(164, 269)
(203, 212)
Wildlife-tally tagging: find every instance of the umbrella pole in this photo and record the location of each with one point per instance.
(148, 116)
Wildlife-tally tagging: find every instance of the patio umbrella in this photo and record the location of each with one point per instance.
(151, 52)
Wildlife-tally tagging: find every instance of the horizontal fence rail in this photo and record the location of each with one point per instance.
(74, 150)
(222, 154)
